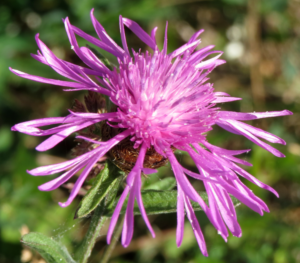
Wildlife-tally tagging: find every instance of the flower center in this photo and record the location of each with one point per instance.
(124, 156)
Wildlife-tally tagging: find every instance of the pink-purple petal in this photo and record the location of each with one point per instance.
(196, 35)
(225, 99)
(29, 127)
(104, 36)
(165, 46)
(208, 63)
(48, 81)
(55, 183)
(142, 208)
(56, 168)
(180, 216)
(139, 32)
(149, 171)
(58, 137)
(270, 114)
(228, 125)
(215, 213)
(123, 37)
(182, 49)
(129, 218)
(116, 214)
(196, 227)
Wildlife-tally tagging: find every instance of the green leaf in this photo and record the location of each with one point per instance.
(160, 202)
(165, 184)
(109, 178)
(50, 250)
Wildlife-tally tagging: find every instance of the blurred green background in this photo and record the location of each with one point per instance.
(261, 43)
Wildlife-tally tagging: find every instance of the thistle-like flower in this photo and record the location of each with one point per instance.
(163, 102)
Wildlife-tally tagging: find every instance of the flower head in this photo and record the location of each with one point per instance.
(162, 102)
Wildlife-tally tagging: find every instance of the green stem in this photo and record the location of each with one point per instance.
(111, 246)
(89, 240)
(97, 221)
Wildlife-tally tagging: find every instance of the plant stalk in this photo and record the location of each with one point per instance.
(111, 246)
(89, 240)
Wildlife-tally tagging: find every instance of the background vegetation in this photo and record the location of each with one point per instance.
(261, 40)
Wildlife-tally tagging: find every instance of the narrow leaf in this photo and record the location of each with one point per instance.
(165, 184)
(108, 179)
(160, 202)
(49, 249)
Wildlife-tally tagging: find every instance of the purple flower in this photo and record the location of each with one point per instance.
(162, 101)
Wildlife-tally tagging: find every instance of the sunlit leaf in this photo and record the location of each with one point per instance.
(161, 202)
(109, 178)
(164, 184)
